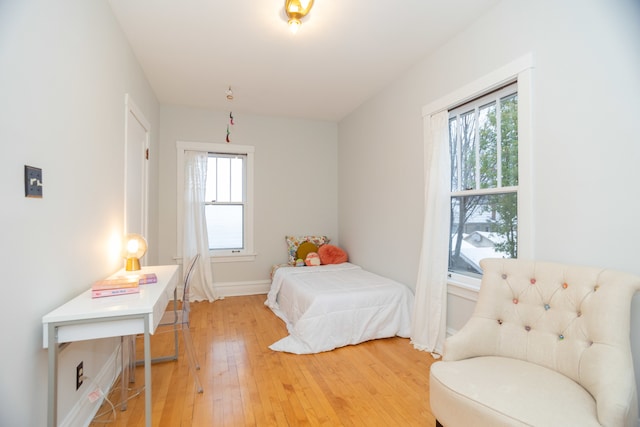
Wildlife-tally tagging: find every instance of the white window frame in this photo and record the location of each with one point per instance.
(492, 98)
(247, 254)
(519, 71)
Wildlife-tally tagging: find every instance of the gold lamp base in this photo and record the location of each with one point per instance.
(133, 264)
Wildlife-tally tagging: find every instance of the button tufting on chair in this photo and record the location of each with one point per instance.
(533, 281)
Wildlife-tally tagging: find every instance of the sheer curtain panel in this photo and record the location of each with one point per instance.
(429, 322)
(195, 240)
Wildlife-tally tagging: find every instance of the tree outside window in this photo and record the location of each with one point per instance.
(483, 137)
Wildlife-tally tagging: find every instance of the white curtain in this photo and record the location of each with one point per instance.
(194, 237)
(429, 321)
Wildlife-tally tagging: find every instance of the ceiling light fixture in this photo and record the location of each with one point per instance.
(296, 10)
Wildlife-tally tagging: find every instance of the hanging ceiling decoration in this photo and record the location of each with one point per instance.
(229, 95)
(296, 10)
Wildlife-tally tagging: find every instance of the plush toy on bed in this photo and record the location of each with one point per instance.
(304, 249)
(299, 262)
(312, 259)
(330, 254)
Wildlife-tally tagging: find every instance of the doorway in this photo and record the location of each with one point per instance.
(136, 170)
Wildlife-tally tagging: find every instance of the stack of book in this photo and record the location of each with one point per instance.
(120, 285)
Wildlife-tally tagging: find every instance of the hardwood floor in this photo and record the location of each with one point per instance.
(377, 383)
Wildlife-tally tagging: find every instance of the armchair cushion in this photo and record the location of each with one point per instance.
(567, 324)
(500, 391)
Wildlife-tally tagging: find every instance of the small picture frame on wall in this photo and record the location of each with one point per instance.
(32, 182)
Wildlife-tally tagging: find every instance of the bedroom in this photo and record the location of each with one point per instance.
(59, 78)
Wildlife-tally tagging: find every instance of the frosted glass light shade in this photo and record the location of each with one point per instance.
(296, 10)
(134, 248)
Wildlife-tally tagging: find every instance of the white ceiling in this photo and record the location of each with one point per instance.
(344, 53)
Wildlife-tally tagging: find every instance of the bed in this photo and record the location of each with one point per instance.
(331, 306)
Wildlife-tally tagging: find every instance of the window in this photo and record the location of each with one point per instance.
(225, 201)
(228, 199)
(483, 146)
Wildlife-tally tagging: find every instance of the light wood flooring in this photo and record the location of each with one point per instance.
(377, 383)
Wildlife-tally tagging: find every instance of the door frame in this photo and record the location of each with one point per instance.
(133, 112)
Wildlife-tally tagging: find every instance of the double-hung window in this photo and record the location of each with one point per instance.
(225, 200)
(483, 146)
(228, 204)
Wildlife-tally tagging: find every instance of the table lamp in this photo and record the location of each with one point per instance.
(134, 248)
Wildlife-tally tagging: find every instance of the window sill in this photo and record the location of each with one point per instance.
(226, 258)
(465, 282)
(232, 258)
(463, 286)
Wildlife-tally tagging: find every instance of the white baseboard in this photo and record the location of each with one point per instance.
(234, 289)
(83, 412)
(451, 331)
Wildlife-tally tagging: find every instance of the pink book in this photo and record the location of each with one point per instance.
(147, 278)
(116, 283)
(99, 293)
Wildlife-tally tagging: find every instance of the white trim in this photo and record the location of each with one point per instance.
(83, 412)
(521, 71)
(232, 258)
(526, 248)
(451, 331)
(234, 289)
(248, 254)
(463, 290)
(136, 112)
(483, 191)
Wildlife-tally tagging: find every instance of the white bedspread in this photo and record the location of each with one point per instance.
(331, 306)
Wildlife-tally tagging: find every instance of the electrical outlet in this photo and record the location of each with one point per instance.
(79, 374)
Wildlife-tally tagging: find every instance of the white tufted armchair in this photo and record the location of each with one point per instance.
(547, 345)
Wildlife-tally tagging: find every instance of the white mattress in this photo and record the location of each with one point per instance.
(330, 306)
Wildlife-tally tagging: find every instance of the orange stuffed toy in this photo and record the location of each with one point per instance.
(312, 259)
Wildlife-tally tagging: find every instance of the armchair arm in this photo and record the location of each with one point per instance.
(478, 337)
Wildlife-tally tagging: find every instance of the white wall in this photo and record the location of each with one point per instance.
(295, 182)
(586, 147)
(381, 181)
(65, 68)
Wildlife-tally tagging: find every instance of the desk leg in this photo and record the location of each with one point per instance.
(147, 371)
(52, 409)
(125, 373)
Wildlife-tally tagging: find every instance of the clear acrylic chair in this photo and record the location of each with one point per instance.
(177, 317)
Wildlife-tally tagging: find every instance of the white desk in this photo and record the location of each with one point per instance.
(86, 318)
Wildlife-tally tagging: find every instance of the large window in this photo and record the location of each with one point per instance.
(228, 199)
(483, 142)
